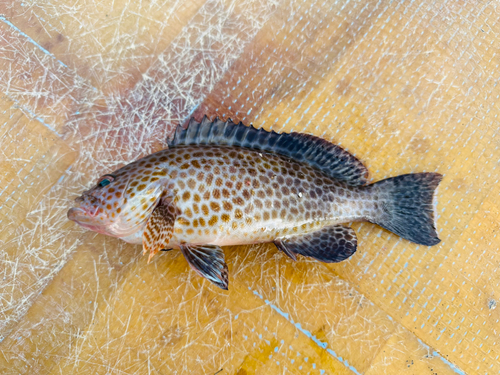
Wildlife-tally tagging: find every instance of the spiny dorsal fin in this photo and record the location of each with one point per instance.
(328, 157)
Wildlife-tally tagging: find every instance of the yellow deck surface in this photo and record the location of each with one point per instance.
(88, 86)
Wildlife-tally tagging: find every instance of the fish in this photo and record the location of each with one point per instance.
(220, 184)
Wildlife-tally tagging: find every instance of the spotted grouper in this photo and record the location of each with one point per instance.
(221, 184)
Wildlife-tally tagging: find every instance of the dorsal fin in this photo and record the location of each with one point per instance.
(328, 157)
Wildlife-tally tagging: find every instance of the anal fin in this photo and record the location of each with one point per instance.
(208, 261)
(330, 245)
(158, 230)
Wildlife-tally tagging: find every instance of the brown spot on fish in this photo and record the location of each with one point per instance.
(238, 201)
(213, 220)
(204, 208)
(246, 194)
(225, 217)
(183, 221)
(215, 206)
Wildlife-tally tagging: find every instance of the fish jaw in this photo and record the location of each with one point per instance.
(86, 219)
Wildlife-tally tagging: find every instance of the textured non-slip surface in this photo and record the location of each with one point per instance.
(89, 86)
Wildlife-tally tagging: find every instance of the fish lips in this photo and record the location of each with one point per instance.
(84, 212)
(84, 219)
(76, 214)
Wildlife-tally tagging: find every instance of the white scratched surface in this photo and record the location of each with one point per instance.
(90, 86)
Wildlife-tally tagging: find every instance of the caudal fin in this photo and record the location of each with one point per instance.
(406, 206)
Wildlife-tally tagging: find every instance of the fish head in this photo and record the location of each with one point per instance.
(120, 203)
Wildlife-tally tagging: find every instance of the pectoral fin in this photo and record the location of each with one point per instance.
(331, 244)
(208, 261)
(158, 231)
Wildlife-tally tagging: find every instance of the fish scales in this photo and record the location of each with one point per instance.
(229, 195)
(224, 184)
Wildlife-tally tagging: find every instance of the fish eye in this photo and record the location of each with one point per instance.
(105, 180)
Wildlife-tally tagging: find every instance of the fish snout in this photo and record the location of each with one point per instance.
(86, 205)
(74, 214)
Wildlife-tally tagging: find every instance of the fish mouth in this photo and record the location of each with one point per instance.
(82, 218)
(84, 211)
(76, 214)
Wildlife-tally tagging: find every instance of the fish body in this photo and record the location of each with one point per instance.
(221, 184)
(232, 196)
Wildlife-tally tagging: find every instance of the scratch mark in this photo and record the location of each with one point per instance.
(10, 24)
(39, 119)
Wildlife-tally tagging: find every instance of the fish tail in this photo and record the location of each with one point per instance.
(405, 206)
